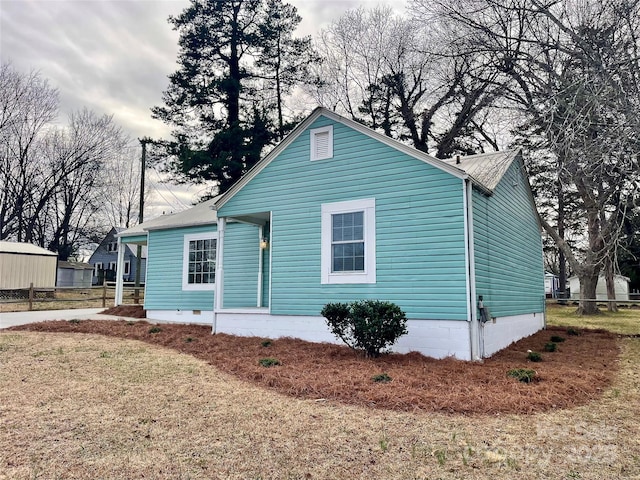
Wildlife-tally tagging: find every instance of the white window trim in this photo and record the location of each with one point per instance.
(313, 133)
(185, 261)
(114, 265)
(96, 268)
(368, 206)
(127, 267)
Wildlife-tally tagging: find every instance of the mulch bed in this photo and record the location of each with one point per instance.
(582, 368)
(132, 311)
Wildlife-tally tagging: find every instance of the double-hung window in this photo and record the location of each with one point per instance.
(349, 242)
(199, 261)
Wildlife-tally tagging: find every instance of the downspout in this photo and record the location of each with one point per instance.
(219, 288)
(474, 325)
(119, 268)
(260, 265)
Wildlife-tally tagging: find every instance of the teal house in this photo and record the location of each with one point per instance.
(339, 212)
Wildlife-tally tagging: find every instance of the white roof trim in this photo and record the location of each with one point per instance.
(321, 111)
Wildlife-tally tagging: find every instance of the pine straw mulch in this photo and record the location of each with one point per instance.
(131, 311)
(582, 368)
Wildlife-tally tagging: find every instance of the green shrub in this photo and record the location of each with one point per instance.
(155, 330)
(368, 325)
(557, 339)
(74, 320)
(550, 347)
(189, 339)
(524, 375)
(266, 343)
(574, 332)
(534, 357)
(269, 362)
(381, 378)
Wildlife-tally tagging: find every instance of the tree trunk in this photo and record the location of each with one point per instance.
(612, 306)
(588, 304)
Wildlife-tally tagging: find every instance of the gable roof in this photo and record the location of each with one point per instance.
(301, 127)
(24, 248)
(201, 214)
(486, 169)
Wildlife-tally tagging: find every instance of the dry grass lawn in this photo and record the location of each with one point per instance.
(78, 406)
(625, 322)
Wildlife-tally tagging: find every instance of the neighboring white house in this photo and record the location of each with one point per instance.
(23, 264)
(621, 284)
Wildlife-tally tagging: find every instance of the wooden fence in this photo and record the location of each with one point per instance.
(102, 294)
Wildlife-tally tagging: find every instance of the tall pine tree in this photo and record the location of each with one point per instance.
(237, 60)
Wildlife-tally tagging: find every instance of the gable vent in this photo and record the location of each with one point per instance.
(322, 143)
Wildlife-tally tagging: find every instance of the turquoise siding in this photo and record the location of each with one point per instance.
(241, 251)
(164, 275)
(508, 248)
(419, 225)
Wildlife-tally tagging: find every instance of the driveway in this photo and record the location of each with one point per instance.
(12, 319)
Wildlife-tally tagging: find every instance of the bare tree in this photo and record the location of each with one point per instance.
(572, 68)
(62, 186)
(400, 76)
(119, 192)
(27, 105)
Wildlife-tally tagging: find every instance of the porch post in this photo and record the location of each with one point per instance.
(260, 265)
(219, 287)
(119, 270)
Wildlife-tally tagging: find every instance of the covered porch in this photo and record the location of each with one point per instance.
(243, 269)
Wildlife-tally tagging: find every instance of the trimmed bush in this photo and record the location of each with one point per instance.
(367, 325)
(557, 339)
(573, 331)
(550, 347)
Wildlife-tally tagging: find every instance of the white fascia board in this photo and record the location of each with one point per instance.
(181, 225)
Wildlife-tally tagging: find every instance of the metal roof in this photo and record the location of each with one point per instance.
(201, 214)
(487, 169)
(25, 248)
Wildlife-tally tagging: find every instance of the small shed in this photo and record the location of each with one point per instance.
(22, 264)
(74, 274)
(621, 288)
(551, 284)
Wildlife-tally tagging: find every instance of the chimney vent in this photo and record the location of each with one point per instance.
(457, 159)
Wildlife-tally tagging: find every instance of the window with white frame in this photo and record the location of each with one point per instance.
(321, 142)
(112, 247)
(199, 261)
(127, 267)
(113, 266)
(349, 242)
(96, 269)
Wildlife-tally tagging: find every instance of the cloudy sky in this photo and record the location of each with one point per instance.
(113, 57)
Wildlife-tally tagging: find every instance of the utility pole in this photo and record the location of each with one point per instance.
(143, 167)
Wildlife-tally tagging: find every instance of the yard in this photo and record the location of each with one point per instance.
(81, 405)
